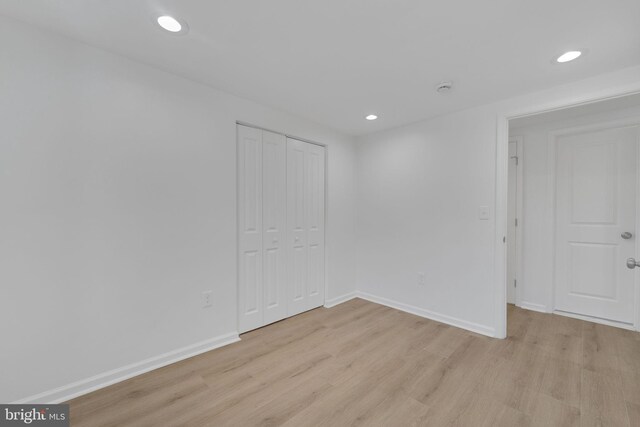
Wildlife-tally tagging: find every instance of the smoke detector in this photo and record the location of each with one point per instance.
(444, 87)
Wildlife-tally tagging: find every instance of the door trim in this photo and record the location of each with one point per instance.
(552, 146)
(519, 141)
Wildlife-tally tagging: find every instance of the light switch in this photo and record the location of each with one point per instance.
(483, 212)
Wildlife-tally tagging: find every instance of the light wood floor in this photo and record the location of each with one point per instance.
(364, 364)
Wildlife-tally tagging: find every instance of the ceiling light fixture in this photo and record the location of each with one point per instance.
(444, 87)
(371, 117)
(568, 56)
(172, 25)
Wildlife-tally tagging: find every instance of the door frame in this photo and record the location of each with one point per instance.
(519, 141)
(552, 153)
(502, 179)
(237, 216)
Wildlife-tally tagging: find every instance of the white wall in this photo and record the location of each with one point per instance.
(118, 208)
(535, 284)
(419, 190)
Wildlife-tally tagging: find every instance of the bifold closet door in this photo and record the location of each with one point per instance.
(250, 228)
(262, 292)
(274, 223)
(305, 225)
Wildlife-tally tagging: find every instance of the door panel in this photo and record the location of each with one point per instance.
(272, 259)
(593, 183)
(314, 282)
(593, 269)
(305, 206)
(274, 153)
(299, 273)
(595, 204)
(315, 225)
(297, 226)
(251, 275)
(250, 228)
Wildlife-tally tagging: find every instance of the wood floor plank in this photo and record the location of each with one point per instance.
(344, 404)
(528, 365)
(600, 353)
(602, 400)
(633, 411)
(631, 386)
(361, 363)
(567, 347)
(279, 409)
(135, 408)
(628, 351)
(393, 407)
(562, 381)
(547, 411)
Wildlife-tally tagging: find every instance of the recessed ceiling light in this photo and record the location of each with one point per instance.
(170, 24)
(371, 117)
(568, 56)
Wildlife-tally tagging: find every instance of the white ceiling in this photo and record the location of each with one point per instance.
(335, 61)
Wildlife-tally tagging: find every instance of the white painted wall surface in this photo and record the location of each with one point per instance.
(419, 190)
(118, 208)
(537, 273)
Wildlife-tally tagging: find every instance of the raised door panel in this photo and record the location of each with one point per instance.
(250, 260)
(592, 270)
(593, 173)
(274, 173)
(251, 266)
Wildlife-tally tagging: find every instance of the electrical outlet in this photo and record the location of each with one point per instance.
(206, 299)
(422, 279)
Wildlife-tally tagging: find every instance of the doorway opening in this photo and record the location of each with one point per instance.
(572, 209)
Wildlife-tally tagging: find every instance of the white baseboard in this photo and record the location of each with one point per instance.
(533, 307)
(78, 388)
(442, 318)
(339, 300)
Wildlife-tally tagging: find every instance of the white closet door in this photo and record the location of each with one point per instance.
(296, 227)
(305, 224)
(274, 220)
(250, 228)
(314, 196)
(280, 227)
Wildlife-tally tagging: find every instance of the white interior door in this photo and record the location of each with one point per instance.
(305, 224)
(250, 273)
(595, 204)
(274, 221)
(512, 211)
